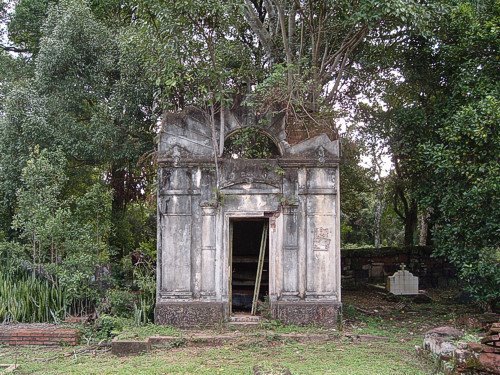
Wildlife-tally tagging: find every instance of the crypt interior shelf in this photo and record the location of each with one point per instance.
(212, 227)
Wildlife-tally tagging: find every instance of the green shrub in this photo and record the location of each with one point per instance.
(108, 326)
(121, 302)
(27, 299)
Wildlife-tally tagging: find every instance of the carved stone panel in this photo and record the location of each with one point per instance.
(250, 171)
(322, 239)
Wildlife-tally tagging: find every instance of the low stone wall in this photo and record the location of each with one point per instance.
(36, 334)
(374, 265)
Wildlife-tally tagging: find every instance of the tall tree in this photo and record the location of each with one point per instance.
(88, 96)
(304, 47)
(440, 121)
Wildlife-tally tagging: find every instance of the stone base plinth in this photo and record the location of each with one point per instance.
(190, 313)
(321, 313)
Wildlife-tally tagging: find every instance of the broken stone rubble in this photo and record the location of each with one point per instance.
(458, 357)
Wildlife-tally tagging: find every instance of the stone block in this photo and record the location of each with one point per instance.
(190, 314)
(124, 348)
(377, 270)
(464, 358)
(490, 362)
(440, 341)
(322, 313)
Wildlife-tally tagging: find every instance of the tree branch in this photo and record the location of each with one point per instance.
(284, 36)
(395, 206)
(13, 49)
(257, 26)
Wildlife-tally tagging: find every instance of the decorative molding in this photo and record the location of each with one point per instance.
(175, 295)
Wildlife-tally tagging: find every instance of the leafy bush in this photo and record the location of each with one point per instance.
(120, 303)
(108, 326)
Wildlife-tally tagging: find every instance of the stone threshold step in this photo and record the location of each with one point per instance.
(243, 324)
(244, 319)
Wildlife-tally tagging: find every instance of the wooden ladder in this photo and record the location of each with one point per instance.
(260, 266)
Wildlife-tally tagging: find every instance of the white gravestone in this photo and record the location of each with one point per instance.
(402, 282)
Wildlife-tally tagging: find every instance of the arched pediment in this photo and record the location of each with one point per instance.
(187, 135)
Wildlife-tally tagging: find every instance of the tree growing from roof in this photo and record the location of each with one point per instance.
(297, 51)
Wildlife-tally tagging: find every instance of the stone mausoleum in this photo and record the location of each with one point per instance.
(218, 222)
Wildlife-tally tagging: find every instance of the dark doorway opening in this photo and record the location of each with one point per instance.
(248, 235)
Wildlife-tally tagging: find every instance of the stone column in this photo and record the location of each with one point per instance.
(290, 253)
(208, 235)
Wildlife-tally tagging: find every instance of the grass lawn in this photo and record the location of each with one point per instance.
(265, 351)
(338, 358)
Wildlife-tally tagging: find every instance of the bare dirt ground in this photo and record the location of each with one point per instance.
(369, 305)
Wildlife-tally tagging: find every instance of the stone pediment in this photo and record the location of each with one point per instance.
(186, 136)
(318, 147)
(254, 171)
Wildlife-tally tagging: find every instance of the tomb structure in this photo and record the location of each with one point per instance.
(212, 217)
(402, 282)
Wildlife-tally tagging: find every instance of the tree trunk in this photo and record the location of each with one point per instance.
(379, 210)
(118, 185)
(410, 222)
(423, 239)
(117, 182)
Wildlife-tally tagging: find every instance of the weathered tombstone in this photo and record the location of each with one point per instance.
(402, 282)
(211, 218)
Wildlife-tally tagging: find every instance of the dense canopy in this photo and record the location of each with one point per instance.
(83, 85)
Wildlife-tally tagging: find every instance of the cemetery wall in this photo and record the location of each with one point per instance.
(368, 265)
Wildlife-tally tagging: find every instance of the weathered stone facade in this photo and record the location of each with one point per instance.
(297, 193)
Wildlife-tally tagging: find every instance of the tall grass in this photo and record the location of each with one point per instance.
(144, 309)
(27, 299)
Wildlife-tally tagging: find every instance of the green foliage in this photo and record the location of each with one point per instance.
(25, 26)
(39, 212)
(121, 302)
(191, 50)
(250, 143)
(468, 175)
(67, 237)
(108, 326)
(144, 277)
(27, 299)
(441, 126)
(75, 126)
(135, 229)
(463, 155)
